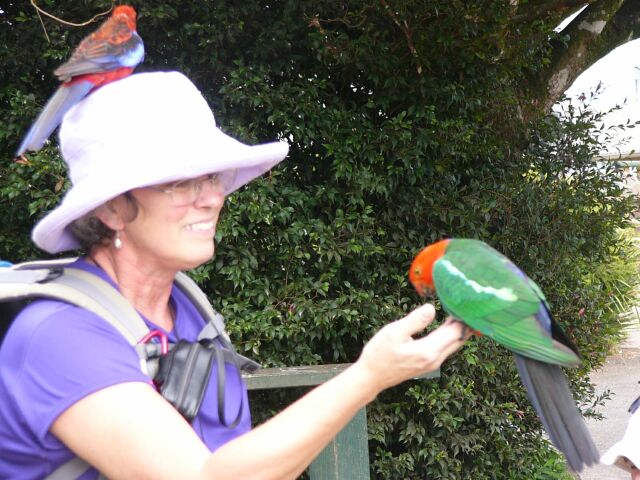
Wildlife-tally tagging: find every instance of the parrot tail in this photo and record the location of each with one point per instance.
(549, 393)
(65, 97)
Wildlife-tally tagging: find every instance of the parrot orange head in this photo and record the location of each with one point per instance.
(421, 271)
(125, 14)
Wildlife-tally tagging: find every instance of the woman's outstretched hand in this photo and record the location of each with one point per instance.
(394, 355)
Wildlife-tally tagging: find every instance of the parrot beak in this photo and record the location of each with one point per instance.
(424, 290)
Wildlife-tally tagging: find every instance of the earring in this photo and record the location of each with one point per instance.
(117, 242)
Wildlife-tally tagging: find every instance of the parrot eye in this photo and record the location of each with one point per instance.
(417, 271)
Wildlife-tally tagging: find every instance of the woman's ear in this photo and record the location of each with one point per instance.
(114, 212)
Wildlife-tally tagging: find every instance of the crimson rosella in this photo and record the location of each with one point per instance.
(108, 54)
(483, 289)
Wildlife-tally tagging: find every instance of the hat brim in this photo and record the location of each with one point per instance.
(249, 161)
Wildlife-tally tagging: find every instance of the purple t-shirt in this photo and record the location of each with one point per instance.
(56, 354)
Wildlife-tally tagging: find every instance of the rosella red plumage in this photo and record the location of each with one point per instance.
(108, 54)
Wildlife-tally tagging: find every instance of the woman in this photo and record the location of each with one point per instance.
(150, 171)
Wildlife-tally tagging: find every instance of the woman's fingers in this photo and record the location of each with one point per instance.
(416, 321)
(439, 344)
(394, 355)
(459, 334)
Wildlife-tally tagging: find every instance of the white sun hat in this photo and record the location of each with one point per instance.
(146, 129)
(626, 453)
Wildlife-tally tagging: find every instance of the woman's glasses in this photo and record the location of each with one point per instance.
(186, 192)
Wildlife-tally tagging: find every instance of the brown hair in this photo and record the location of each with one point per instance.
(90, 231)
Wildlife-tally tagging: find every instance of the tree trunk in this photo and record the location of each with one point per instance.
(601, 27)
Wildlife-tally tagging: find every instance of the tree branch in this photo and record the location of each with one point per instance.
(549, 9)
(597, 30)
(408, 34)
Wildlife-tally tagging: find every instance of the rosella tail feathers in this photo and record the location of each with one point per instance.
(108, 54)
(550, 396)
(51, 115)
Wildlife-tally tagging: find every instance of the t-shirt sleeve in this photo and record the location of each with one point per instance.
(59, 354)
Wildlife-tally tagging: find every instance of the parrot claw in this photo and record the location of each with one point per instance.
(466, 329)
(463, 334)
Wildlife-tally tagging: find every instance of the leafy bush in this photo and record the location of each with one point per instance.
(391, 149)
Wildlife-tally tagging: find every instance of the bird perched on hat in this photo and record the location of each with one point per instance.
(108, 54)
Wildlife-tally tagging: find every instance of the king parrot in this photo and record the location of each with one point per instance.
(108, 54)
(487, 292)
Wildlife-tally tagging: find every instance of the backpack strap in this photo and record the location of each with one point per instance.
(76, 287)
(50, 279)
(54, 279)
(118, 311)
(214, 328)
(70, 470)
(198, 298)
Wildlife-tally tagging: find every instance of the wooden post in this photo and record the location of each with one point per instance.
(347, 456)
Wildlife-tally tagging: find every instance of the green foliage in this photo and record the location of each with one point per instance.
(392, 148)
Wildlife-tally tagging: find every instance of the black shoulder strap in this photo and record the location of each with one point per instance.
(198, 298)
(214, 326)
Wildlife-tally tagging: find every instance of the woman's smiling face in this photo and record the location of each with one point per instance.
(175, 236)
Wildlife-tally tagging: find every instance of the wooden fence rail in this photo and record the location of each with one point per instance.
(347, 456)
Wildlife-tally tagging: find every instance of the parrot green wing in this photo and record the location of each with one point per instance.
(485, 290)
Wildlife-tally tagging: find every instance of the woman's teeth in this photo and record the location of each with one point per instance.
(200, 227)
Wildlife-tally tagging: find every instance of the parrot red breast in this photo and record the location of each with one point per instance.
(108, 54)
(487, 292)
